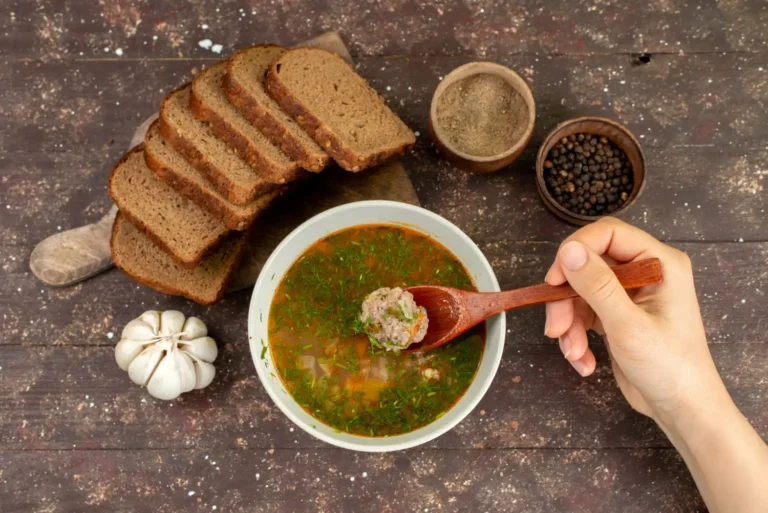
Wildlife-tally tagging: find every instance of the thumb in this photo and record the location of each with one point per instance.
(596, 283)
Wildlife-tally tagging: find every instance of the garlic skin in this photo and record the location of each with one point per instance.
(167, 352)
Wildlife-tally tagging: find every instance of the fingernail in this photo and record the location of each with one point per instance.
(580, 367)
(573, 256)
(565, 345)
(546, 324)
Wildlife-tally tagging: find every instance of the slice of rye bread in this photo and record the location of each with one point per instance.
(171, 167)
(230, 175)
(145, 262)
(244, 86)
(209, 103)
(337, 107)
(181, 227)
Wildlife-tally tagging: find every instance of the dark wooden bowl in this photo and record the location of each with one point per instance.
(601, 127)
(475, 163)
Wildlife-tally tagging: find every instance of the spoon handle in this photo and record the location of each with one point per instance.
(631, 276)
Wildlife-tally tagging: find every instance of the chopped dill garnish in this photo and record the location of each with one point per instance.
(354, 385)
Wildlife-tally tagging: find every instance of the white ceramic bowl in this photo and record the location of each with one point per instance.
(340, 218)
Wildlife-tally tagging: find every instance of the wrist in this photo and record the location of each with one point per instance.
(700, 415)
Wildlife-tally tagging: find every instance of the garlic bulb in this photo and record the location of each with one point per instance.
(167, 353)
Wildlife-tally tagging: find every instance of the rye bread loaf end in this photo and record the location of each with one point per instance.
(244, 86)
(145, 262)
(174, 170)
(176, 224)
(209, 103)
(230, 175)
(338, 108)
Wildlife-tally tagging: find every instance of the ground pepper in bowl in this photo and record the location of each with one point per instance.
(482, 115)
(588, 175)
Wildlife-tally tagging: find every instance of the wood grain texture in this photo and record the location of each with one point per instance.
(69, 257)
(705, 154)
(77, 398)
(542, 439)
(669, 102)
(333, 480)
(452, 312)
(66, 258)
(730, 278)
(389, 27)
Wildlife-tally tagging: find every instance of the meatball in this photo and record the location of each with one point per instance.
(392, 319)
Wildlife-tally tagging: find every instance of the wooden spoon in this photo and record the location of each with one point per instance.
(451, 312)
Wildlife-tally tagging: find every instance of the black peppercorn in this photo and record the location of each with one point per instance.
(588, 174)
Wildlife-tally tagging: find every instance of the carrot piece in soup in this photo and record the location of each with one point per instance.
(361, 346)
(417, 325)
(372, 388)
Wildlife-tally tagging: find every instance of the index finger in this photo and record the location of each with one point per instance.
(614, 238)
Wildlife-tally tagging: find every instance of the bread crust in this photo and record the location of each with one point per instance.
(234, 192)
(205, 197)
(141, 225)
(320, 132)
(265, 121)
(168, 288)
(227, 132)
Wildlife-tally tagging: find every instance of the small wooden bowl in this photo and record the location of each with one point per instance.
(600, 127)
(475, 163)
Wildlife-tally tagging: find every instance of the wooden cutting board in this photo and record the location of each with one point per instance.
(69, 257)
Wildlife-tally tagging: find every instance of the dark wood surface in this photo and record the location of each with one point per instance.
(76, 435)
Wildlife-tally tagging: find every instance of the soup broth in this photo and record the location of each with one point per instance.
(331, 369)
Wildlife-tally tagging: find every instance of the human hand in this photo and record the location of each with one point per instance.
(655, 335)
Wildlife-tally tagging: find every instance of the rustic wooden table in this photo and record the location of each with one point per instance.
(76, 435)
